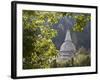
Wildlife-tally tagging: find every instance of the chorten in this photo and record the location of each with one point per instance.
(67, 49)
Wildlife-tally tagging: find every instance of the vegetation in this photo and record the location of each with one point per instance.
(80, 59)
(38, 49)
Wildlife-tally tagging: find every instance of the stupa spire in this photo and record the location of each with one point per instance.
(68, 36)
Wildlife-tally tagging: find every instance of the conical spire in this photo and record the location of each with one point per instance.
(68, 36)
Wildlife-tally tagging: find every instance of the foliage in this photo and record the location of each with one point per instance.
(38, 48)
(81, 59)
(81, 22)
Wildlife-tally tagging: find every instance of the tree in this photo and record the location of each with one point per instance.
(38, 48)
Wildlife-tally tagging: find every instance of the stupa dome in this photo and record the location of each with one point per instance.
(68, 46)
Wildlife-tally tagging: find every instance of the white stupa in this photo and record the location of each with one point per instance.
(67, 49)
